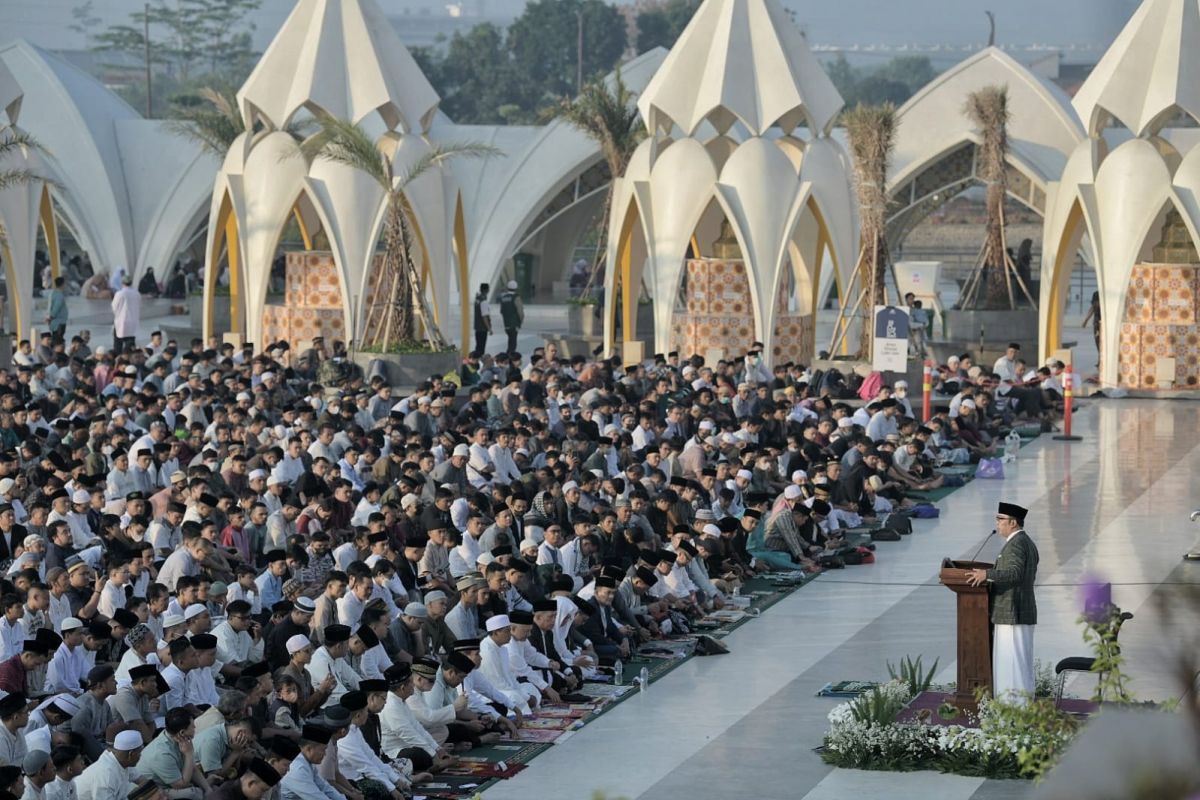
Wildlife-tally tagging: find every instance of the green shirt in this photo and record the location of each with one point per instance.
(162, 760)
(211, 745)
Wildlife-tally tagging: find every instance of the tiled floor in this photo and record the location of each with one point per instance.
(1113, 505)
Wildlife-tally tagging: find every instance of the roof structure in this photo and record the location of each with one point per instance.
(740, 61)
(128, 188)
(338, 57)
(1148, 75)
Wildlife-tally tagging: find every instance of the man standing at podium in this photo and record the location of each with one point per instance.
(1013, 609)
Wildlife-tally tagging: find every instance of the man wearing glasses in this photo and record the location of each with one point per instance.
(1013, 608)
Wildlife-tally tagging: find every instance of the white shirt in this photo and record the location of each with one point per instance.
(111, 598)
(506, 468)
(479, 461)
(236, 646)
(373, 662)
(251, 596)
(400, 729)
(127, 311)
(323, 664)
(130, 660)
(356, 761)
(60, 609)
(526, 662)
(12, 638)
(67, 669)
(495, 667)
(464, 556)
(104, 780)
(177, 684)
(289, 470)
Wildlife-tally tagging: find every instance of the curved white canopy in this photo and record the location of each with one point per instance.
(340, 57)
(1149, 72)
(740, 60)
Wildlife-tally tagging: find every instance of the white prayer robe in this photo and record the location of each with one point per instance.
(357, 761)
(1012, 662)
(495, 667)
(399, 729)
(67, 669)
(526, 662)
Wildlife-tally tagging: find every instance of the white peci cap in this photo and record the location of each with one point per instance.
(297, 643)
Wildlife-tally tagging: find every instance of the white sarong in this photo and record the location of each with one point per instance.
(1012, 663)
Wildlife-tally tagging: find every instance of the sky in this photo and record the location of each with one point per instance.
(1080, 28)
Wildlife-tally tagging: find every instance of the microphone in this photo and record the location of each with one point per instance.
(986, 539)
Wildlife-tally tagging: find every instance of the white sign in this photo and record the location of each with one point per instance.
(890, 350)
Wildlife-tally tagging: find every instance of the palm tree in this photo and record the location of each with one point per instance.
(391, 323)
(608, 115)
(872, 134)
(14, 142)
(987, 108)
(214, 122)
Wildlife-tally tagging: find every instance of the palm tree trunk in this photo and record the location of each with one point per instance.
(997, 292)
(395, 256)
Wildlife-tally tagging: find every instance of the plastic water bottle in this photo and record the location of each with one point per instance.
(643, 680)
(619, 673)
(1012, 444)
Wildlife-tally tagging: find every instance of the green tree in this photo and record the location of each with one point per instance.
(892, 82)
(193, 43)
(476, 77)
(348, 144)
(660, 26)
(543, 45)
(608, 114)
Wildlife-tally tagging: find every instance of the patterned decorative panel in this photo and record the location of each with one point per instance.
(1161, 321)
(313, 299)
(311, 279)
(720, 315)
(1139, 301)
(794, 339)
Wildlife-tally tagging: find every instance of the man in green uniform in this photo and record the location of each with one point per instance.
(513, 314)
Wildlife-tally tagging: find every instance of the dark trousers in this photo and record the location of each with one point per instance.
(481, 335)
(512, 339)
(122, 344)
(421, 760)
(59, 333)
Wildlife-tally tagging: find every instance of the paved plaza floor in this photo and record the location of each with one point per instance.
(745, 724)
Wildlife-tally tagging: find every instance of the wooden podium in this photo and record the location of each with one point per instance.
(974, 630)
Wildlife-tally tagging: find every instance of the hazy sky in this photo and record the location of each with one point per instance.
(1081, 26)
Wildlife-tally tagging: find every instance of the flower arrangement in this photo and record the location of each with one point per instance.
(1012, 741)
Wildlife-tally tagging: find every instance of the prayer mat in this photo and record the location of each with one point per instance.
(482, 770)
(537, 735)
(846, 689)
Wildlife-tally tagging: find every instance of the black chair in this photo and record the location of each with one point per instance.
(1085, 663)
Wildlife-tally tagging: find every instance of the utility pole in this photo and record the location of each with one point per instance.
(149, 79)
(579, 50)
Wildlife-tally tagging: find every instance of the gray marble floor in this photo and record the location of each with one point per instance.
(1113, 505)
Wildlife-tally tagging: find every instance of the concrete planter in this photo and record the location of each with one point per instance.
(962, 331)
(409, 369)
(582, 321)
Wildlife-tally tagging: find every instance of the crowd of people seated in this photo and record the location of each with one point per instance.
(242, 572)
